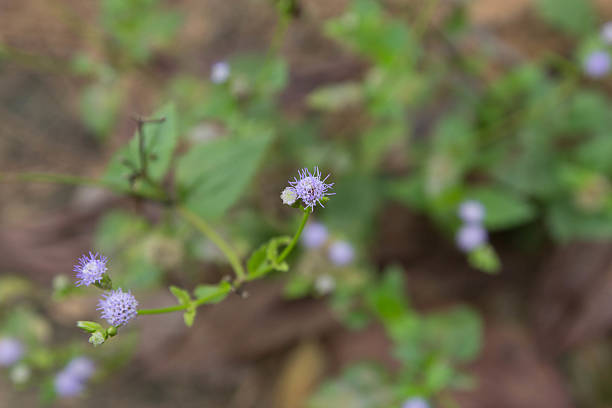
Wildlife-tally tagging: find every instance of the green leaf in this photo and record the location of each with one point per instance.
(263, 260)
(213, 176)
(99, 107)
(298, 286)
(213, 293)
(503, 208)
(182, 295)
(575, 17)
(336, 97)
(273, 246)
(387, 299)
(455, 334)
(485, 259)
(160, 140)
(189, 316)
(258, 260)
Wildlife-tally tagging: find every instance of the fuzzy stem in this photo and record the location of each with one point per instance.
(294, 241)
(211, 234)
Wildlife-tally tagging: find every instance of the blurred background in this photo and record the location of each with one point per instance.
(465, 260)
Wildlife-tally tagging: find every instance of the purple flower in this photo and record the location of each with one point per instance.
(471, 236)
(90, 269)
(416, 402)
(220, 72)
(471, 212)
(341, 253)
(597, 64)
(71, 380)
(67, 385)
(11, 351)
(289, 196)
(314, 235)
(118, 307)
(310, 188)
(606, 33)
(81, 367)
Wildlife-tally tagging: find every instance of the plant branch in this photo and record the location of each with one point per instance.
(211, 234)
(294, 241)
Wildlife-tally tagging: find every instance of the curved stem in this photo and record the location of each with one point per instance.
(211, 234)
(289, 247)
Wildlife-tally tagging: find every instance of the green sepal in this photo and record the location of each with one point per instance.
(105, 283)
(89, 327)
(111, 331)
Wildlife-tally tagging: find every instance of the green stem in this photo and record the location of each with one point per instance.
(211, 234)
(162, 310)
(198, 302)
(294, 241)
(75, 180)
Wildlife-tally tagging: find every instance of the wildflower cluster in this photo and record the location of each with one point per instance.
(309, 188)
(116, 306)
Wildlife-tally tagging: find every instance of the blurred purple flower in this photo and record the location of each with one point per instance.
(416, 402)
(11, 351)
(310, 188)
(471, 236)
(220, 72)
(90, 269)
(597, 64)
(606, 33)
(471, 211)
(71, 380)
(341, 253)
(67, 385)
(314, 235)
(118, 307)
(81, 367)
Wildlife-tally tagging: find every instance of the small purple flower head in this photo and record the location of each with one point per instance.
(310, 188)
(314, 235)
(68, 385)
(606, 33)
(597, 64)
(416, 402)
(289, 196)
(81, 367)
(118, 307)
(11, 351)
(90, 269)
(220, 72)
(341, 253)
(471, 236)
(471, 212)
